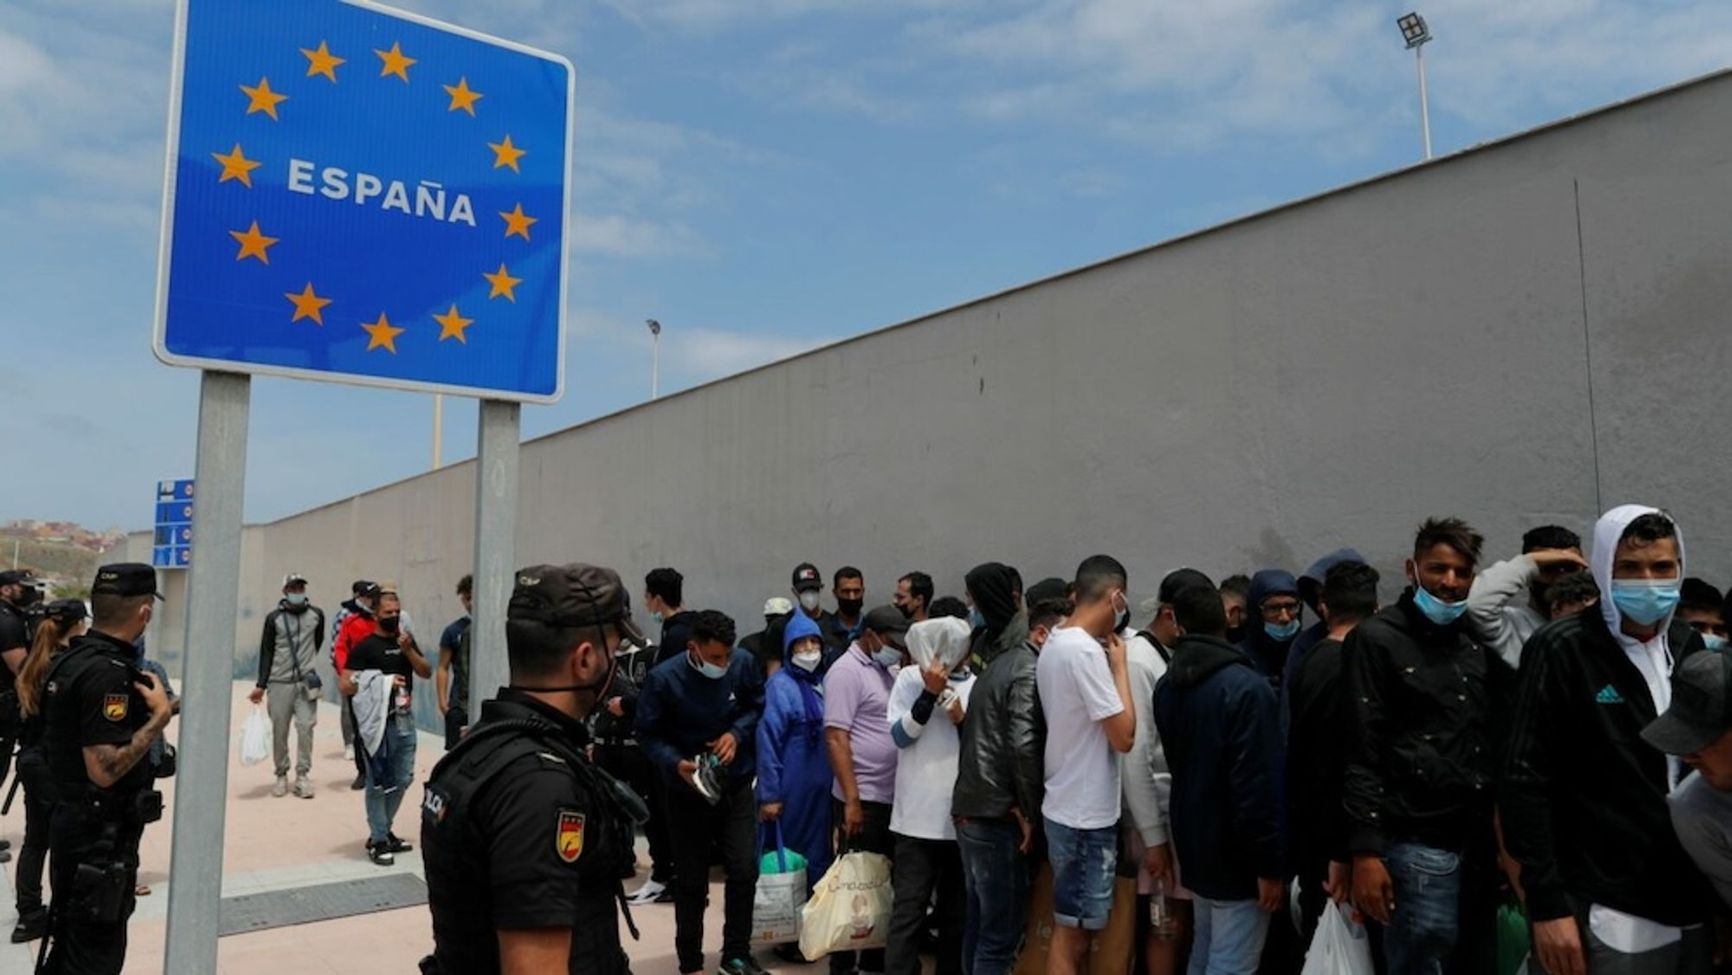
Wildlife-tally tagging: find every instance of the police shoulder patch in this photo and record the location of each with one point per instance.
(568, 835)
(114, 706)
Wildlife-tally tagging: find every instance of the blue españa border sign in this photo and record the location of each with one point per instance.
(360, 194)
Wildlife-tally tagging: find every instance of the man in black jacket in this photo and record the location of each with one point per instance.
(1217, 717)
(997, 797)
(1422, 763)
(1583, 799)
(1316, 752)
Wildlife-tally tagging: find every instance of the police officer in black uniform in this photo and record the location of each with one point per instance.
(17, 593)
(523, 837)
(101, 715)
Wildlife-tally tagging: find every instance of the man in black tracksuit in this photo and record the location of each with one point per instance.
(1583, 797)
(1316, 753)
(1422, 764)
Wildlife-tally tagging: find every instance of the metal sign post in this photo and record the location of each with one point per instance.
(355, 194)
(495, 547)
(207, 677)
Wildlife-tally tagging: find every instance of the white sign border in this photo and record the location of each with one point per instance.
(171, 168)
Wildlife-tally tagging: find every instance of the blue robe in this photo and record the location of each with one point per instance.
(793, 761)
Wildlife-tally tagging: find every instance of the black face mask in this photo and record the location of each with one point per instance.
(389, 624)
(1235, 634)
(849, 607)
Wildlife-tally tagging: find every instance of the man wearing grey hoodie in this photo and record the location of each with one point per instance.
(1583, 797)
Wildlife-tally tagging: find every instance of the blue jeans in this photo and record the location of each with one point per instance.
(1082, 874)
(1424, 926)
(385, 797)
(1229, 937)
(996, 876)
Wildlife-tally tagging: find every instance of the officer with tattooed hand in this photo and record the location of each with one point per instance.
(101, 715)
(524, 838)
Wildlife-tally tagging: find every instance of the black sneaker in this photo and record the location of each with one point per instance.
(359, 783)
(790, 953)
(396, 844)
(30, 927)
(741, 966)
(380, 854)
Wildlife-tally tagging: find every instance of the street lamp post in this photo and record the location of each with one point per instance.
(1415, 32)
(655, 328)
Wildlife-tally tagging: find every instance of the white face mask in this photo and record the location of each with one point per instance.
(809, 661)
(809, 600)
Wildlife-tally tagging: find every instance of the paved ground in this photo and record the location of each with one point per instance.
(274, 844)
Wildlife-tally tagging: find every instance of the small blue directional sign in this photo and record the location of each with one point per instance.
(359, 194)
(172, 546)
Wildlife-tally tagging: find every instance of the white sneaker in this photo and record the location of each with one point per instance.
(303, 787)
(348, 753)
(646, 894)
(281, 789)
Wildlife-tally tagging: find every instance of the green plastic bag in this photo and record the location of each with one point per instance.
(1514, 943)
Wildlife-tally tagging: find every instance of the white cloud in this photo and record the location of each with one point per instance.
(1180, 76)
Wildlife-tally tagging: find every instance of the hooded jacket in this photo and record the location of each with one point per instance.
(793, 762)
(289, 645)
(1422, 740)
(1268, 654)
(1500, 607)
(1310, 586)
(1217, 720)
(1583, 796)
(995, 588)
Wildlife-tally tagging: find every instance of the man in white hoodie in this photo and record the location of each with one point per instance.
(1508, 603)
(1583, 797)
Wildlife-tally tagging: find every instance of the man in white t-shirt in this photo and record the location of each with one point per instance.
(1086, 696)
(927, 702)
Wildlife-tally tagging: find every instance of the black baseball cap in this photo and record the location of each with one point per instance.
(1701, 708)
(889, 623)
(806, 577)
(125, 579)
(359, 587)
(573, 595)
(294, 579)
(17, 577)
(66, 610)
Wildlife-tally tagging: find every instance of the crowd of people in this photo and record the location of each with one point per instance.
(1469, 741)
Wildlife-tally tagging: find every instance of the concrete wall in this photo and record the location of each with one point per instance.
(1520, 334)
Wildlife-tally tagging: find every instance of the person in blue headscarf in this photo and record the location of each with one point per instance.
(794, 775)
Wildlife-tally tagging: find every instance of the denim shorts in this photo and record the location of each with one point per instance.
(1082, 874)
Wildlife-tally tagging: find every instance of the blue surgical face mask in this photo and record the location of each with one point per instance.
(706, 668)
(296, 598)
(1282, 631)
(1714, 641)
(656, 618)
(1436, 610)
(1645, 601)
(887, 657)
(976, 620)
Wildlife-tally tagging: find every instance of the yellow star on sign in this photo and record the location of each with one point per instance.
(253, 243)
(506, 154)
(395, 62)
(462, 96)
(382, 334)
(517, 222)
(308, 305)
(322, 61)
(451, 325)
(502, 282)
(263, 99)
(236, 166)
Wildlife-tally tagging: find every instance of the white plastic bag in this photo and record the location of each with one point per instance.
(255, 737)
(850, 909)
(1339, 947)
(940, 638)
(776, 905)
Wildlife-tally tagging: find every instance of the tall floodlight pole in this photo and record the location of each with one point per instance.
(655, 328)
(438, 426)
(1415, 32)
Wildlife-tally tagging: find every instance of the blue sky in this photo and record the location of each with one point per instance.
(762, 176)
